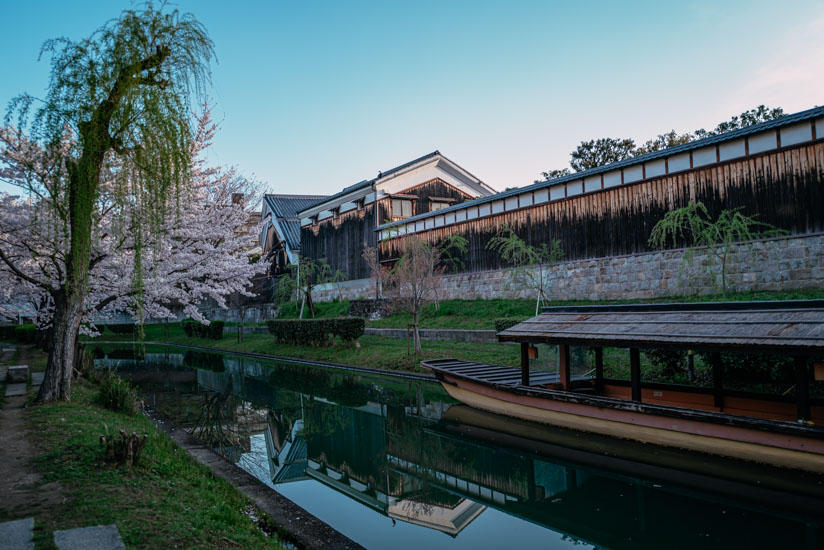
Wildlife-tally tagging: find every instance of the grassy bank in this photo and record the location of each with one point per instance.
(167, 501)
(375, 351)
(481, 314)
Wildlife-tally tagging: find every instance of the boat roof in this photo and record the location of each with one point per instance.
(794, 327)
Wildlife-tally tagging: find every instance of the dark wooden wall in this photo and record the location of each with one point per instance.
(341, 241)
(784, 188)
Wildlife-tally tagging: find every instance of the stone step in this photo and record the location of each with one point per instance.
(13, 390)
(100, 537)
(17, 374)
(17, 534)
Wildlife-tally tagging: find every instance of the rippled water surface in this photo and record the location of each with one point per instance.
(395, 463)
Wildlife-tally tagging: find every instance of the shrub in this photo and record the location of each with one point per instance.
(25, 333)
(120, 329)
(216, 330)
(671, 362)
(504, 323)
(188, 327)
(7, 332)
(117, 394)
(316, 332)
(751, 370)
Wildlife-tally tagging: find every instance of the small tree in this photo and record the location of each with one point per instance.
(530, 264)
(413, 282)
(305, 276)
(693, 224)
(372, 258)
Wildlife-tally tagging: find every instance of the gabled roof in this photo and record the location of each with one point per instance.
(669, 151)
(366, 183)
(285, 220)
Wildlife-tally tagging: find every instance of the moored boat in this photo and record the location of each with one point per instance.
(783, 429)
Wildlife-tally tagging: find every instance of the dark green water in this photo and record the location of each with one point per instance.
(396, 464)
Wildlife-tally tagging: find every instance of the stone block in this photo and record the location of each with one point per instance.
(18, 374)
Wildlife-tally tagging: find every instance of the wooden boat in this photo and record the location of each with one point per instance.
(774, 429)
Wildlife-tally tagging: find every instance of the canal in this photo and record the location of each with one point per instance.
(394, 463)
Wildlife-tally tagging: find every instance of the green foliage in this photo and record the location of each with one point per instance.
(504, 323)
(671, 362)
(25, 333)
(597, 152)
(315, 332)
(452, 250)
(693, 224)
(529, 262)
(120, 329)
(762, 113)
(303, 278)
(194, 329)
(116, 394)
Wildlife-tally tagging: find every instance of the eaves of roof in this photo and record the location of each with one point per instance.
(697, 144)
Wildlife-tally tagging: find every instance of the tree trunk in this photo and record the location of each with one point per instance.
(416, 335)
(58, 377)
(240, 326)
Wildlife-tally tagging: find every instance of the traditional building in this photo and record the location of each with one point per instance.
(338, 227)
(280, 235)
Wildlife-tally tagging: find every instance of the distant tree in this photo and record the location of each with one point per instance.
(762, 113)
(693, 224)
(553, 174)
(597, 152)
(413, 282)
(663, 141)
(530, 264)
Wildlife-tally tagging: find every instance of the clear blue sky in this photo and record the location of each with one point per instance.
(315, 96)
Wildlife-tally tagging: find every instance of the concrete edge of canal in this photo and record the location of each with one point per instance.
(302, 528)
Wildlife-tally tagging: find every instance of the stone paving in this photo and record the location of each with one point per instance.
(100, 537)
(17, 534)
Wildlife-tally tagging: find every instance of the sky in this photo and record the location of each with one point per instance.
(314, 96)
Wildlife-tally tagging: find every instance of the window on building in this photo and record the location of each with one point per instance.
(401, 208)
(437, 205)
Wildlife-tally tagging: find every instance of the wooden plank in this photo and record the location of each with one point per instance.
(563, 359)
(802, 388)
(635, 373)
(717, 379)
(524, 363)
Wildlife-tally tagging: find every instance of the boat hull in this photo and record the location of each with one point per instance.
(786, 450)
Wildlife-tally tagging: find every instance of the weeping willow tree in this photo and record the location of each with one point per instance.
(125, 95)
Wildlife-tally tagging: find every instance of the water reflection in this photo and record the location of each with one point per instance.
(421, 467)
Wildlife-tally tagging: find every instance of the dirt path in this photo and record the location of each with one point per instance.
(24, 494)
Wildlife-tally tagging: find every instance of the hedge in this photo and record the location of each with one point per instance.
(25, 333)
(119, 329)
(506, 322)
(7, 332)
(213, 330)
(316, 332)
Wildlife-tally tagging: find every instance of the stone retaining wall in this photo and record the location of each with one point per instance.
(787, 263)
(457, 335)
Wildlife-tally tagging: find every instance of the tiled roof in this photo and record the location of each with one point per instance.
(291, 228)
(366, 183)
(697, 144)
(288, 206)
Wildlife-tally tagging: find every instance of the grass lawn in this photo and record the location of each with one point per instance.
(375, 351)
(166, 501)
(481, 314)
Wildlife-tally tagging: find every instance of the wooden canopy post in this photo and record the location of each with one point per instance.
(717, 379)
(802, 388)
(524, 363)
(599, 370)
(635, 373)
(563, 359)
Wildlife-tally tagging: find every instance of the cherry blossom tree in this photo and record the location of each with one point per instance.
(198, 253)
